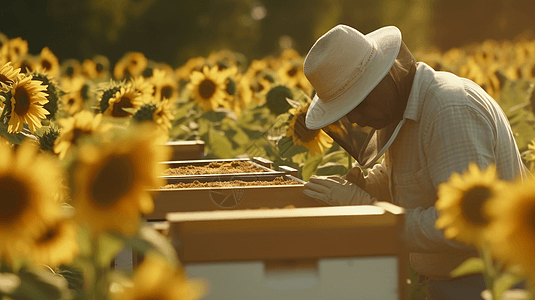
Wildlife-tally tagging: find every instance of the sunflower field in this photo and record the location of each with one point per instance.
(81, 142)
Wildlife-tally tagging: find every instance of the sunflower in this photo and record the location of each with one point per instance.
(8, 75)
(193, 64)
(511, 233)
(28, 203)
(461, 203)
(163, 115)
(256, 66)
(76, 93)
(27, 64)
(110, 181)
(144, 87)
(107, 90)
(96, 68)
(48, 63)
(291, 74)
(239, 93)
(316, 141)
(27, 99)
(81, 125)
(207, 88)
(159, 113)
(57, 245)
(223, 59)
(48, 138)
(4, 54)
(17, 48)
(165, 85)
(124, 98)
(70, 68)
(131, 64)
(156, 279)
(53, 91)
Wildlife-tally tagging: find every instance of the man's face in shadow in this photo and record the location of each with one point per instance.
(380, 108)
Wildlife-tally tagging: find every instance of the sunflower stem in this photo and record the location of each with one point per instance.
(100, 289)
(489, 271)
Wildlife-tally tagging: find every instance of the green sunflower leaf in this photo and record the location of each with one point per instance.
(287, 149)
(215, 116)
(310, 165)
(219, 144)
(505, 282)
(472, 265)
(75, 279)
(514, 94)
(40, 284)
(332, 168)
(109, 246)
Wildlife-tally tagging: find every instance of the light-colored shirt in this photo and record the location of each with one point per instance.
(449, 123)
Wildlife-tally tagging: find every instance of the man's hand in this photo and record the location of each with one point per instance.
(335, 190)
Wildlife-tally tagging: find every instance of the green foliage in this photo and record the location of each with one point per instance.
(472, 265)
(515, 102)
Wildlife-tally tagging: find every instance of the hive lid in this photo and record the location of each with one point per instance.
(285, 234)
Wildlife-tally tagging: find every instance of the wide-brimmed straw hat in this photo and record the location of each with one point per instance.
(344, 66)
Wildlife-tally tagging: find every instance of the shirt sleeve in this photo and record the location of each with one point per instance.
(456, 136)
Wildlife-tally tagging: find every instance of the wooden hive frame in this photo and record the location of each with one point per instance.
(230, 198)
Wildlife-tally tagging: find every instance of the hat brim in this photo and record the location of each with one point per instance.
(321, 113)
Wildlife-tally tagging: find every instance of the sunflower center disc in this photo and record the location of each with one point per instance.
(49, 235)
(22, 101)
(14, 200)
(118, 111)
(206, 88)
(112, 181)
(472, 205)
(167, 92)
(46, 65)
(292, 72)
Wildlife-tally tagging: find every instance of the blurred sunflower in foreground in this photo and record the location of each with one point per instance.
(57, 245)
(461, 203)
(110, 180)
(29, 184)
(316, 141)
(511, 233)
(207, 88)
(156, 279)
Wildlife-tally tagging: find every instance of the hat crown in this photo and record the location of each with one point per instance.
(337, 60)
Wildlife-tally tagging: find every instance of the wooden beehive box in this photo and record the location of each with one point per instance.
(343, 252)
(186, 150)
(230, 198)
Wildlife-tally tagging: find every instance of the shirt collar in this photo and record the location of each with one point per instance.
(422, 79)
